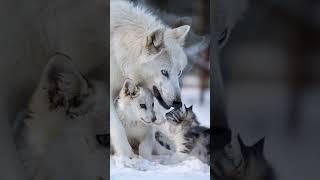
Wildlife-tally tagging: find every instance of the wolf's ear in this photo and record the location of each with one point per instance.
(154, 42)
(259, 146)
(180, 33)
(130, 89)
(189, 108)
(243, 147)
(62, 81)
(183, 21)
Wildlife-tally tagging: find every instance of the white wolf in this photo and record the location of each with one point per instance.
(59, 137)
(150, 53)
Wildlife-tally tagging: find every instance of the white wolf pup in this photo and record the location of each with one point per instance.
(150, 53)
(134, 107)
(60, 138)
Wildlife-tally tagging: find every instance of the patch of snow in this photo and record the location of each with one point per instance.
(132, 169)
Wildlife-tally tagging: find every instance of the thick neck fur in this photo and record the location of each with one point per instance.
(125, 113)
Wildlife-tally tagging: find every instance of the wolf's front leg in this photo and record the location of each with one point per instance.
(145, 147)
(118, 135)
(162, 144)
(161, 150)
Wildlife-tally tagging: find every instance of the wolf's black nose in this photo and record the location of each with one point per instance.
(153, 119)
(177, 104)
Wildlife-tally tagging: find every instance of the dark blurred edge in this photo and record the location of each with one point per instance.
(221, 134)
(10, 18)
(108, 82)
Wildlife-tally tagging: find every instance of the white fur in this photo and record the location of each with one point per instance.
(130, 29)
(136, 120)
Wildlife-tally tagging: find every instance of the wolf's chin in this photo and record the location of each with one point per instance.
(144, 121)
(157, 94)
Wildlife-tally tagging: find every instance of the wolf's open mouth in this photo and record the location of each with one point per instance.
(145, 121)
(157, 94)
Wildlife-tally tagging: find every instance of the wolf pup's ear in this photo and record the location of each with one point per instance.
(62, 81)
(130, 89)
(189, 108)
(154, 42)
(180, 33)
(258, 147)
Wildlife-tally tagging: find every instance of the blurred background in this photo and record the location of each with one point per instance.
(195, 79)
(271, 70)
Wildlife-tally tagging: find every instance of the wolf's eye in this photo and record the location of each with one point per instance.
(143, 106)
(179, 74)
(165, 73)
(152, 104)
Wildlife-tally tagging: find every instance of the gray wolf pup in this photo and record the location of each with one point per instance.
(185, 133)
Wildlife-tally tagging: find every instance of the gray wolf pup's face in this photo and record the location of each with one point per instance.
(181, 116)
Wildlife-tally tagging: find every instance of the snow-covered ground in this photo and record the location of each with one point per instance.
(122, 168)
(190, 96)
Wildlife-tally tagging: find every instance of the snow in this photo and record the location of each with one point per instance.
(190, 96)
(123, 168)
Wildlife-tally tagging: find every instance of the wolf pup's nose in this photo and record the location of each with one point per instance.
(177, 104)
(153, 119)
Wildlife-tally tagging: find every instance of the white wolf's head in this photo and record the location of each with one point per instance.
(161, 62)
(136, 103)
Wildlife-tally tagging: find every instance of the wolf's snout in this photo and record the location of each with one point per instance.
(157, 94)
(177, 104)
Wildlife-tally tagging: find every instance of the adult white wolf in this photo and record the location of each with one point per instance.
(150, 53)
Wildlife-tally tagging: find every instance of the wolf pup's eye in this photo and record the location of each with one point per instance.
(179, 74)
(143, 106)
(165, 73)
